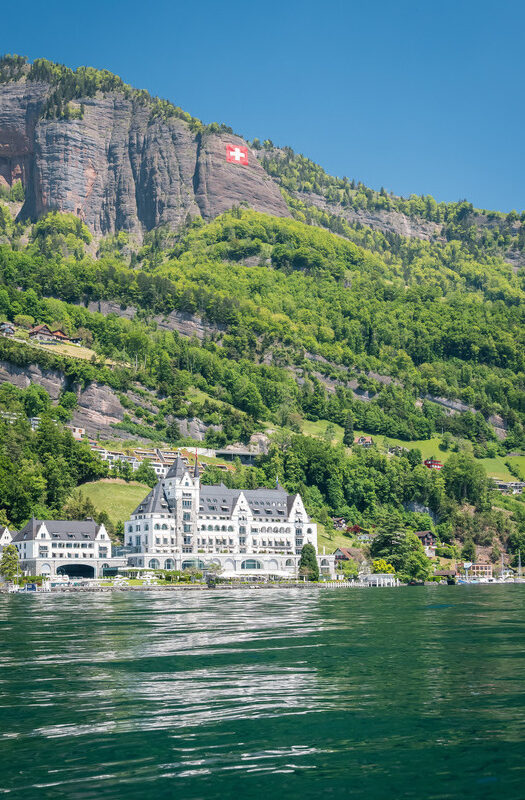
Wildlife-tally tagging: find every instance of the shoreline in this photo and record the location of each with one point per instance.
(191, 588)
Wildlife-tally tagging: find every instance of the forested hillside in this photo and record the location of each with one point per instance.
(249, 322)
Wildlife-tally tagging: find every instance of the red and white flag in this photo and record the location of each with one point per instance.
(236, 154)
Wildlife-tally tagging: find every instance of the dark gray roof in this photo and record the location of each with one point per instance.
(263, 503)
(59, 529)
(177, 469)
(156, 502)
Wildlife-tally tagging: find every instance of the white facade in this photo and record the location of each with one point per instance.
(6, 538)
(258, 531)
(48, 547)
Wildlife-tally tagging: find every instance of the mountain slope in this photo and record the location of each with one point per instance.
(114, 160)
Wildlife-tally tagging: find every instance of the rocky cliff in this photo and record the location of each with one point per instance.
(121, 168)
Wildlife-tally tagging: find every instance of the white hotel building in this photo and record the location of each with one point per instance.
(182, 524)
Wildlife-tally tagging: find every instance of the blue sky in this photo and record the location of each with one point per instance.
(420, 97)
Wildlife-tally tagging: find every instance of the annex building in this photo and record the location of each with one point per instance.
(60, 547)
(183, 524)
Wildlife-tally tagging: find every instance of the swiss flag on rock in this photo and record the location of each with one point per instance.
(236, 154)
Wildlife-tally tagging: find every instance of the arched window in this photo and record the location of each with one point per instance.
(276, 529)
(230, 527)
(156, 526)
(308, 530)
(263, 530)
(289, 562)
(164, 527)
(104, 566)
(193, 563)
(325, 562)
(169, 564)
(251, 563)
(217, 528)
(154, 564)
(45, 569)
(223, 527)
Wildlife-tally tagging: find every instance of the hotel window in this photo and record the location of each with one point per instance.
(187, 528)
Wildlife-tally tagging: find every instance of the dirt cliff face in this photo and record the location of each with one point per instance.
(118, 168)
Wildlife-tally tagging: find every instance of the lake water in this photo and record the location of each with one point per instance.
(376, 693)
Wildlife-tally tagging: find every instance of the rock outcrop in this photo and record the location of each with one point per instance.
(119, 168)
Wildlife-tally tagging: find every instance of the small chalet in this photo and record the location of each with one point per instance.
(429, 541)
(343, 554)
(42, 333)
(427, 538)
(363, 441)
(7, 329)
(433, 463)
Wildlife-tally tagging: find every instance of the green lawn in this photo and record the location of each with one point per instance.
(116, 498)
(338, 540)
(318, 430)
(519, 463)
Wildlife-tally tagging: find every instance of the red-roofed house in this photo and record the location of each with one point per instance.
(433, 463)
(363, 441)
(42, 333)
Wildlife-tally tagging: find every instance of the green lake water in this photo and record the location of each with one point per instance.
(360, 693)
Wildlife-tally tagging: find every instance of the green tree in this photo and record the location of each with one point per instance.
(349, 567)
(308, 562)
(348, 436)
(465, 479)
(468, 551)
(146, 474)
(79, 507)
(9, 562)
(403, 550)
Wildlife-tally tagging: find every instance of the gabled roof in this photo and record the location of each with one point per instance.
(59, 528)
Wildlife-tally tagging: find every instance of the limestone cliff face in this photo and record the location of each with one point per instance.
(120, 169)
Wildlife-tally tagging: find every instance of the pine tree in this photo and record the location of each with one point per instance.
(308, 562)
(348, 436)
